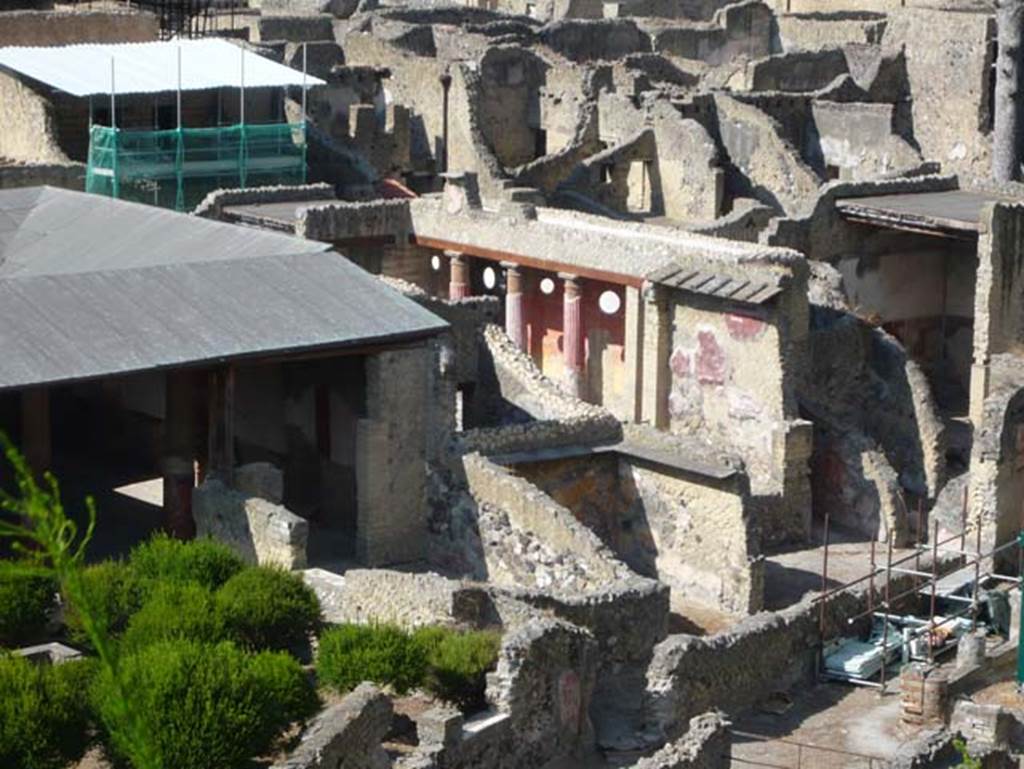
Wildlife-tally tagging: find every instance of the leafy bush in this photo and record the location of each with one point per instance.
(457, 664)
(175, 611)
(206, 561)
(384, 654)
(114, 593)
(267, 608)
(44, 719)
(25, 604)
(206, 705)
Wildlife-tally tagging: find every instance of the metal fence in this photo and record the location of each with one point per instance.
(765, 751)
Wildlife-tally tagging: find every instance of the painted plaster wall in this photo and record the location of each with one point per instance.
(727, 380)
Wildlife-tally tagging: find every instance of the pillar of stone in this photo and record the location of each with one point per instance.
(458, 285)
(572, 333)
(514, 304)
(179, 444)
(657, 332)
(36, 430)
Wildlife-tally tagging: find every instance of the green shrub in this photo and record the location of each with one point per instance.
(205, 705)
(384, 654)
(174, 611)
(165, 559)
(114, 593)
(44, 718)
(25, 604)
(457, 664)
(267, 608)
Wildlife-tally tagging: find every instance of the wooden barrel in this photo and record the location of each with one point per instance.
(924, 691)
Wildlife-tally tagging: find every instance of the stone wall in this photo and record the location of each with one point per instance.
(999, 295)
(70, 176)
(732, 669)
(996, 483)
(391, 455)
(407, 599)
(689, 531)
(347, 735)
(704, 746)
(45, 28)
(509, 381)
(260, 530)
(213, 205)
(29, 134)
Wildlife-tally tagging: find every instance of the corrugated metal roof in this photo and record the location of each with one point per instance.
(193, 303)
(84, 70)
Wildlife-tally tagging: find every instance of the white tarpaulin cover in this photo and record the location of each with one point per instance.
(85, 70)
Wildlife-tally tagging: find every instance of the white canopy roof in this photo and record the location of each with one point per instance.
(85, 70)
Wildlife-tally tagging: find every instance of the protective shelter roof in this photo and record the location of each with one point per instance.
(85, 70)
(91, 286)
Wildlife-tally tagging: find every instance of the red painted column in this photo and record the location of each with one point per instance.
(572, 333)
(514, 304)
(458, 285)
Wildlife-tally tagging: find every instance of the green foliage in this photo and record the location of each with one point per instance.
(115, 593)
(966, 761)
(457, 664)
(205, 561)
(33, 521)
(207, 705)
(25, 604)
(449, 664)
(384, 654)
(268, 608)
(175, 611)
(44, 718)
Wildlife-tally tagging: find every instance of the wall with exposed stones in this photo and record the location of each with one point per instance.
(689, 531)
(67, 175)
(30, 133)
(704, 746)
(347, 735)
(259, 529)
(46, 28)
(213, 205)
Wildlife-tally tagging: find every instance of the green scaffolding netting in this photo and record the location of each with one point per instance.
(176, 168)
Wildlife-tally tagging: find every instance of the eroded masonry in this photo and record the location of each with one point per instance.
(679, 341)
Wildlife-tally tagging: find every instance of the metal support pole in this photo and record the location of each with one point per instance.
(1020, 615)
(115, 184)
(963, 529)
(871, 583)
(242, 149)
(977, 581)
(935, 579)
(824, 583)
(888, 608)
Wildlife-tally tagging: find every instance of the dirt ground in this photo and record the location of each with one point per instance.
(824, 719)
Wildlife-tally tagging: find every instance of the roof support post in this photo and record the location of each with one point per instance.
(221, 452)
(179, 451)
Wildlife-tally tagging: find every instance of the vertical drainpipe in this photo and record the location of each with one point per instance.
(446, 83)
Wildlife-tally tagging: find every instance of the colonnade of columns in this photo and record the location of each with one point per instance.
(515, 320)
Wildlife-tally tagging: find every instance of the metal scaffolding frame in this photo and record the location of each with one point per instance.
(922, 579)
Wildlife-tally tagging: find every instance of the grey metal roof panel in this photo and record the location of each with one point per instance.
(60, 231)
(99, 287)
(64, 328)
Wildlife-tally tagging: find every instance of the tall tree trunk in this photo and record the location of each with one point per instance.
(1006, 135)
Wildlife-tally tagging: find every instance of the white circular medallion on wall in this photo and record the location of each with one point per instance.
(490, 278)
(547, 286)
(609, 302)
(435, 263)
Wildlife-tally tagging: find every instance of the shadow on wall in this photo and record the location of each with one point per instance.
(878, 437)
